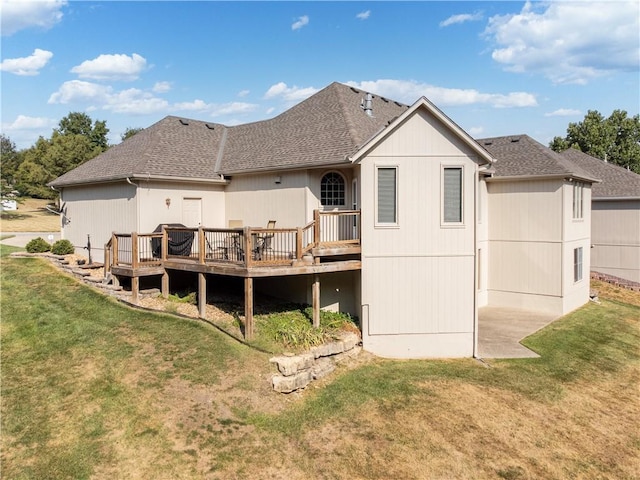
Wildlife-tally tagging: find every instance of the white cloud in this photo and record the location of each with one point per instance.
(409, 91)
(301, 22)
(233, 108)
(364, 15)
(475, 132)
(289, 94)
(162, 87)
(568, 42)
(23, 122)
(563, 112)
(462, 18)
(16, 15)
(30, 65)
(135, 101)
(243, 93)
(112, 67)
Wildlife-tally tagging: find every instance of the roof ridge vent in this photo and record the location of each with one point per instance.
(366, 104)
(184, 122)
(210, 126)
(514, 139)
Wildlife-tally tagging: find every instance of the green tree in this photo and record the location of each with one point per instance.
(78, 123)
(10, 159)
(615, 139)
(130, 132)
(48, 159)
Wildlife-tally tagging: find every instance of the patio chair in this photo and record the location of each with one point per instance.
(263, 242)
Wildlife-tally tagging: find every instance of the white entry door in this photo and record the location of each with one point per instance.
(192, 212)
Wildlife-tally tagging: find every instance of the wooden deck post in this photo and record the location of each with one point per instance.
(134, 250)
(202, 295)
(315, 294)
(165, 243)
(299, 247)
(115, 248)
(165, 284)
(316, 228)
(201, 245)
(248, 308)
(135, 289)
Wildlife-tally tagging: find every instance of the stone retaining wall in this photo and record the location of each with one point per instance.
(297, 371)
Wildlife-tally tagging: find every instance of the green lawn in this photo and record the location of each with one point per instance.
(92, 389)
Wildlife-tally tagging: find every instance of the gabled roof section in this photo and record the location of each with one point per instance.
(324, 129)
(520, 156)
(173, 147)
(424, 103)
(616, 182)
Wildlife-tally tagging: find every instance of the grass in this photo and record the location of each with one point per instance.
(31, 216)
(92, 389)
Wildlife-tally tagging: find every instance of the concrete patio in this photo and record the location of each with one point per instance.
(501, 329)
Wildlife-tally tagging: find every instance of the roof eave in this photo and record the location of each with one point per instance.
(138, 178)
(553, 176)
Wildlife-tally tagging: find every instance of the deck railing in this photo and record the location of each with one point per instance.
(249, 246)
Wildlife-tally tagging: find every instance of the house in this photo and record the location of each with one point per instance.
(615, 217)
(390, 212)
(538, 233)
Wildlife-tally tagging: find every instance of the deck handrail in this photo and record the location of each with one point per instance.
(247, 247)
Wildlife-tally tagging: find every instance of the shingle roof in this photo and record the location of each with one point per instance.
(172, 147)
(522, 156)
(616, 182)
(322, 130)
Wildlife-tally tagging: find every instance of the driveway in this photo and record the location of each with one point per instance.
(20, 239)
(501, 329)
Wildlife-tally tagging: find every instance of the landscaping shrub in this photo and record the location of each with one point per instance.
(62, 247)
(38, 245)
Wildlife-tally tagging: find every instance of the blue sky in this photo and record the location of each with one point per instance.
(496, 68)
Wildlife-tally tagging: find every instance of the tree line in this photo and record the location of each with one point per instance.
(78, 138)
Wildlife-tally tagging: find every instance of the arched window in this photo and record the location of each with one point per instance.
(332, 189)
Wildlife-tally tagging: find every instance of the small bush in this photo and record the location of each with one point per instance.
(38, 245)
(62, 247)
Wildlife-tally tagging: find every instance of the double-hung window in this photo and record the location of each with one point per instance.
(387, 193)
(577, 264)
(452, 204)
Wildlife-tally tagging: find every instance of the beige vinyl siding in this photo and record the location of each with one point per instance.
(525, 244)
(256, 199)
(418, 277)
(532, 237)
(98, 210)
(482, 244)
(154, 210)
(616, 238)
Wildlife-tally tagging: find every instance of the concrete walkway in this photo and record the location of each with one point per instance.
(501, 329)
(20, 239)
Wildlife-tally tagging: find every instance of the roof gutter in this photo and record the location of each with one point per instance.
(558, 176)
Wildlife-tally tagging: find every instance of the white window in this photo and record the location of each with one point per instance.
(452, 195)
(578, 194)
(577, 264)
(387, 191)
(332, 189)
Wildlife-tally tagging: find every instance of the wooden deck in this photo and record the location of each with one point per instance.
(330, 243)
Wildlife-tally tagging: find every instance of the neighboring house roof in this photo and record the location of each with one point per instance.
(616, 182)
(325, 129)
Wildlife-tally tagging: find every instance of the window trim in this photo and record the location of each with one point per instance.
(377, 222)
(444, 223)
(344, 189)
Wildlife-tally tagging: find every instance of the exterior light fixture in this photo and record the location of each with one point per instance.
(167, 201)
